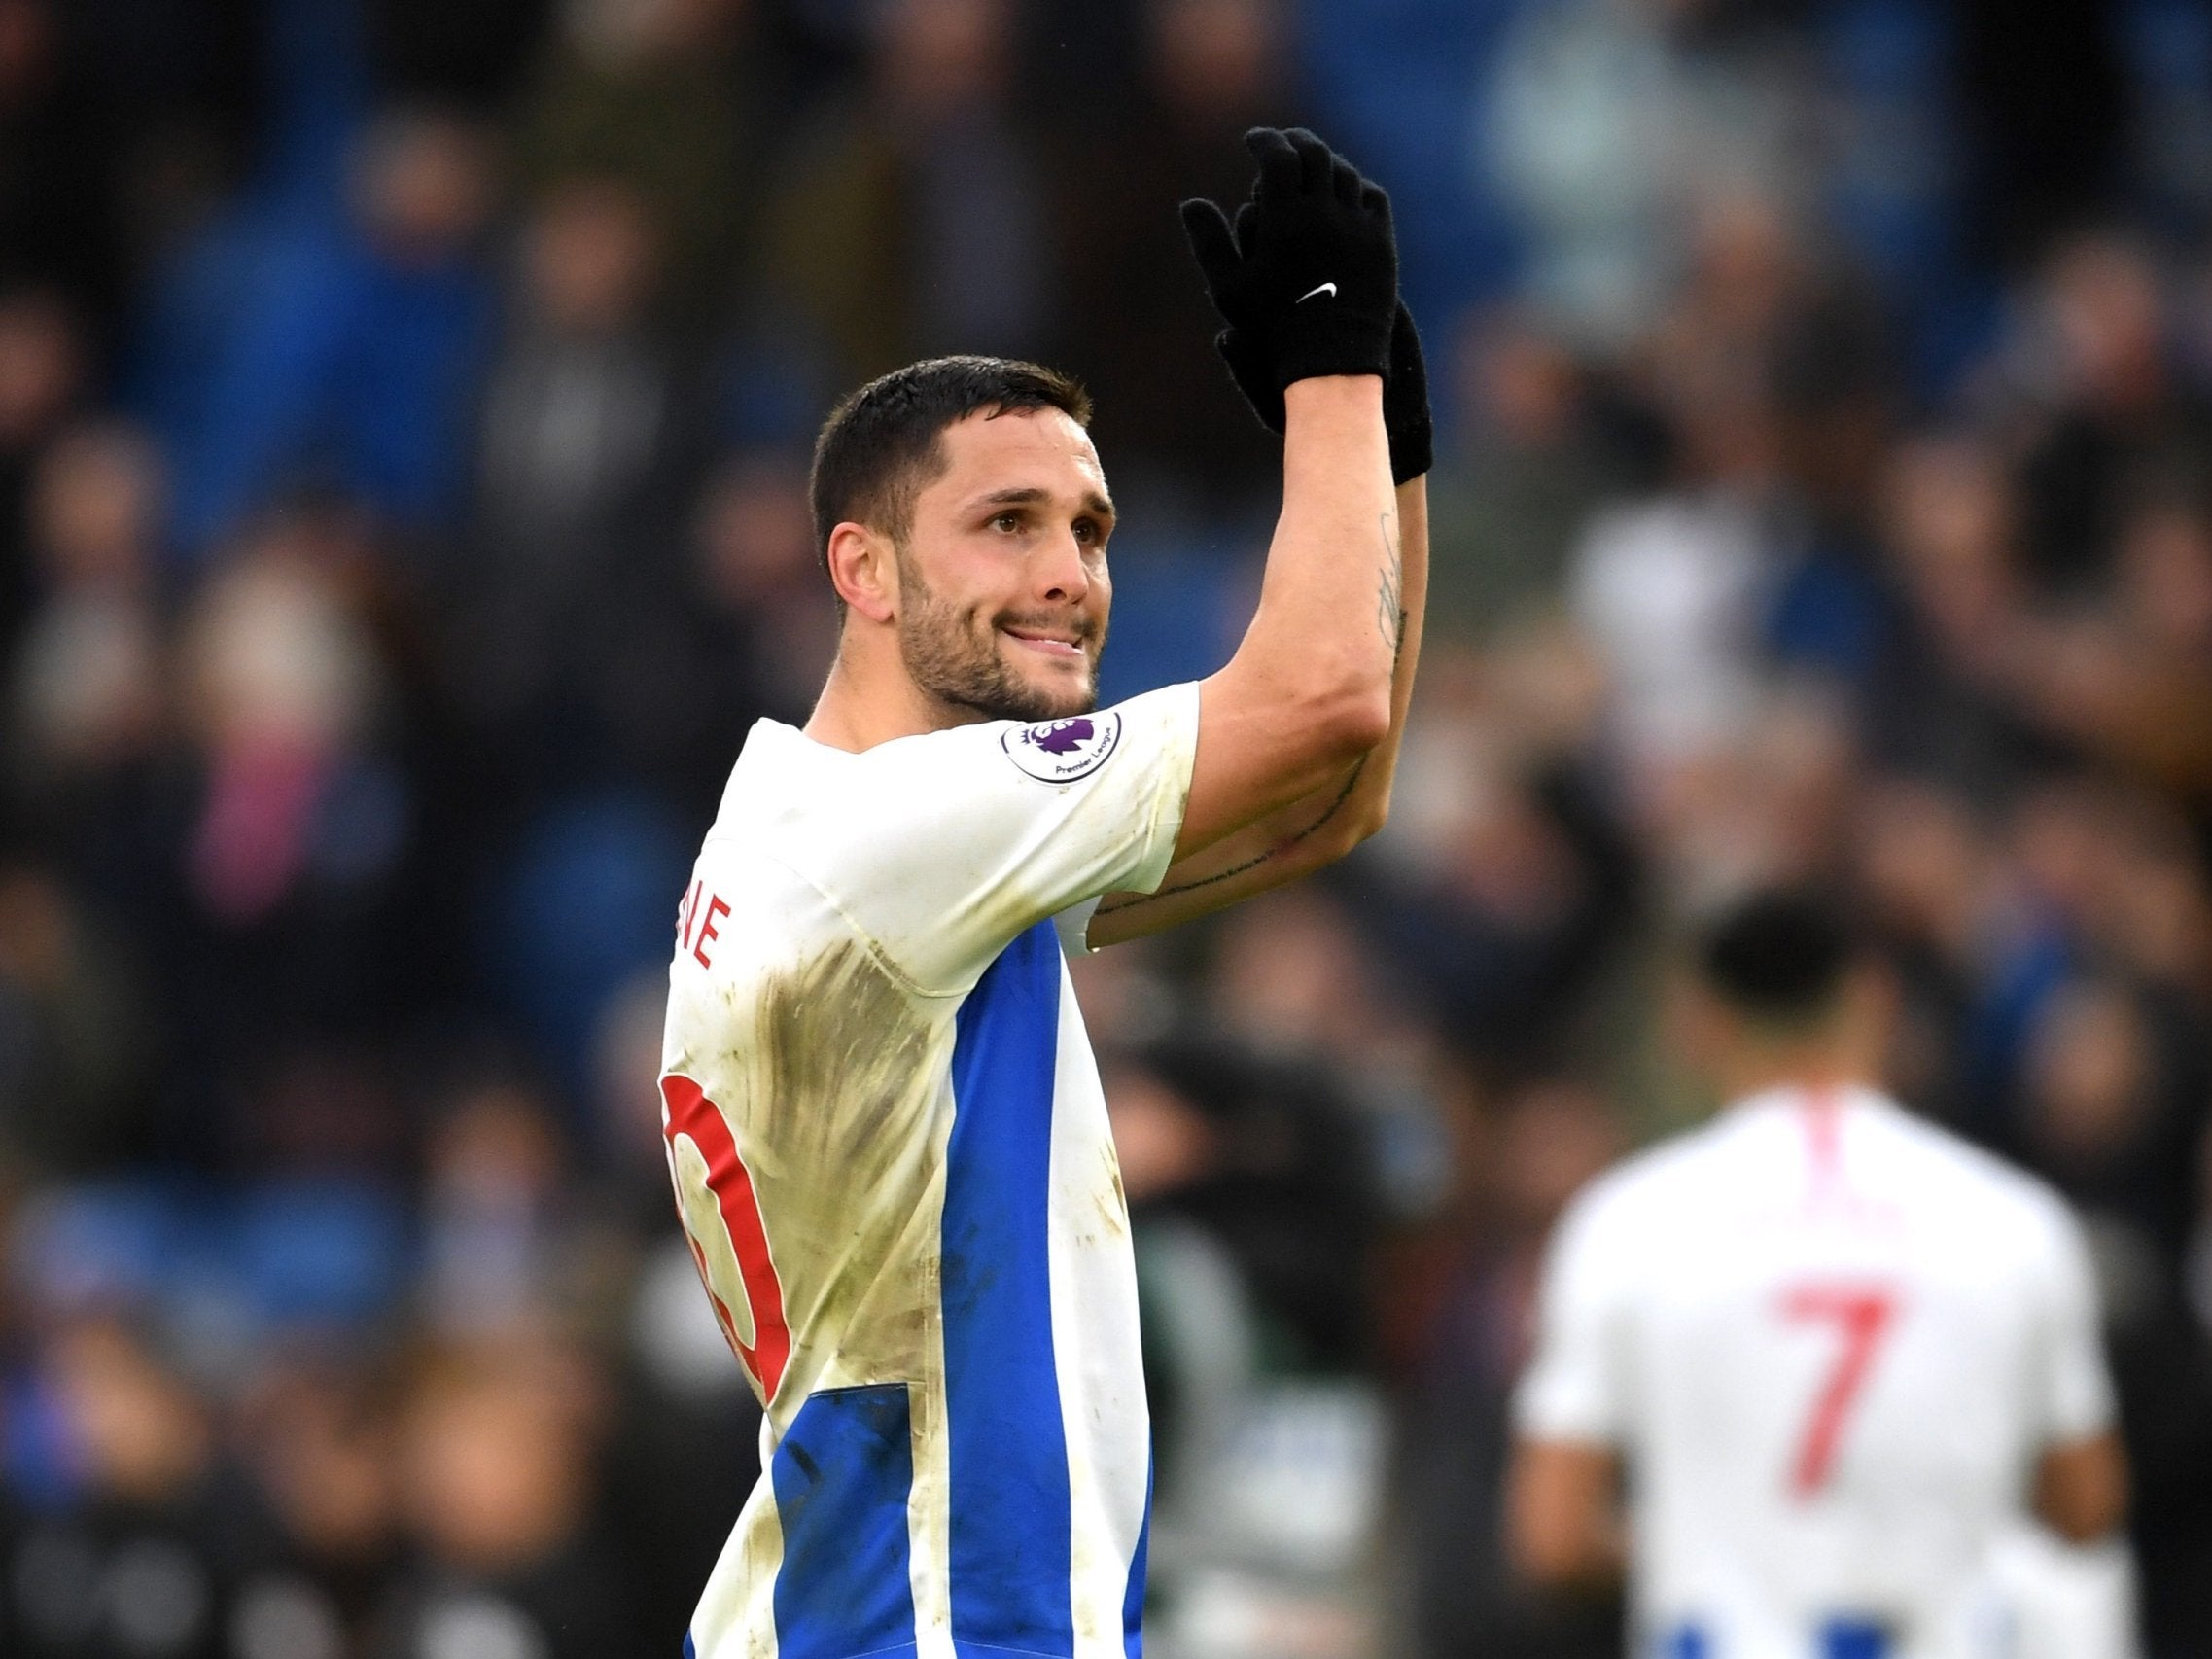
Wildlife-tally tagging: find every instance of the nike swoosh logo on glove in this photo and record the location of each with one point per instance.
(1328, 287)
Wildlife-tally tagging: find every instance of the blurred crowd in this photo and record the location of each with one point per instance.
(404, 419)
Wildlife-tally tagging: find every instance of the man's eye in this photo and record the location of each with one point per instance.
(1086, 532)
(1008, 521)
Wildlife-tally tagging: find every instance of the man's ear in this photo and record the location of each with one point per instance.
(865, 571)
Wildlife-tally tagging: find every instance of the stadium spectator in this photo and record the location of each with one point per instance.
(348, 355)
(1529, 1154)
(1207, 70)
(2108, 411)
(498, 1243)
(279, 844)
(570, 571)
(90, 700)
(655, 97)
(913, 219)
(1530, 468)
(43, 374)
(134, 1557)
(495, 1484)
(748, 637)
(316, 1443)
(56, 149)
(75, 1059)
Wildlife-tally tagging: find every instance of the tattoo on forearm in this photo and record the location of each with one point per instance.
(1351, 783)
(1389, 609)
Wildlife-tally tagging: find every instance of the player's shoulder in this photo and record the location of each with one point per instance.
(1626, 1223)
(783, 779)
(788, 792)
(787, 782)
(1962, 1173)
(1663, 1174)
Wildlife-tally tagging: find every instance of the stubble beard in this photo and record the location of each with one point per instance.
(953, 656)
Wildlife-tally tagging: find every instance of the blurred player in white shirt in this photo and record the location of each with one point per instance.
(1828, 1357)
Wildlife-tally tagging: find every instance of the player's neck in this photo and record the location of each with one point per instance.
(1811, 1069)
(864, 703)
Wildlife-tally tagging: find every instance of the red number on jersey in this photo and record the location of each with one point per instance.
(692, 1116)
(1861, 1315)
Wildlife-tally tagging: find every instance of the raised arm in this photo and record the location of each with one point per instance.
(1343, 808)
(1298, 734)
(1308, 691)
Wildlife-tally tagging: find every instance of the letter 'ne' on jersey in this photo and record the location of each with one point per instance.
(892, 1160)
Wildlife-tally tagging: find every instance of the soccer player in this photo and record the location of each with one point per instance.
(1839, 1351)
(884, 1123)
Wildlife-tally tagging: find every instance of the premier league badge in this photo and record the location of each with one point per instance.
(1061, 750)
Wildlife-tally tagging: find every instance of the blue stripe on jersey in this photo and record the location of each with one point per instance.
(1687, 1641)
(1132, 1598)
(841, 1475)
(690, 1651)
(1010, 1505)
(1853, 1639)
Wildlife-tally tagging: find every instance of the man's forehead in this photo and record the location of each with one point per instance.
(1045, 446)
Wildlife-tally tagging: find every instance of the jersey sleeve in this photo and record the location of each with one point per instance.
(2071, 1395)
(1574, 1386)
(947, 845)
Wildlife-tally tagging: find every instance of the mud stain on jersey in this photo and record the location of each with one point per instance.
(1113, 1203)
(837, 1054)
(841, 1048)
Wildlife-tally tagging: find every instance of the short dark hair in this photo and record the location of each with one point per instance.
(1777, 954)
(880, 447)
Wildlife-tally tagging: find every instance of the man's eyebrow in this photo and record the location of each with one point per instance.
(1094, 503)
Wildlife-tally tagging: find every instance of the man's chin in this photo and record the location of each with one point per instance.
(1048, 694)
(1058, 702)
(1002, 685)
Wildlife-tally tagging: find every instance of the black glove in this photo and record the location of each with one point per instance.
(1309, 270)
(1405, 403)
(1405, 393)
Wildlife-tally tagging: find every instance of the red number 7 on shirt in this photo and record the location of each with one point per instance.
(1861, 1315)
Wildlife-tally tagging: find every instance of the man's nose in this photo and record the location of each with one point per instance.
(1063, 574)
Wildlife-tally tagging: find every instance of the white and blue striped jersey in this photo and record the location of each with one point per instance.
(891, 1156)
